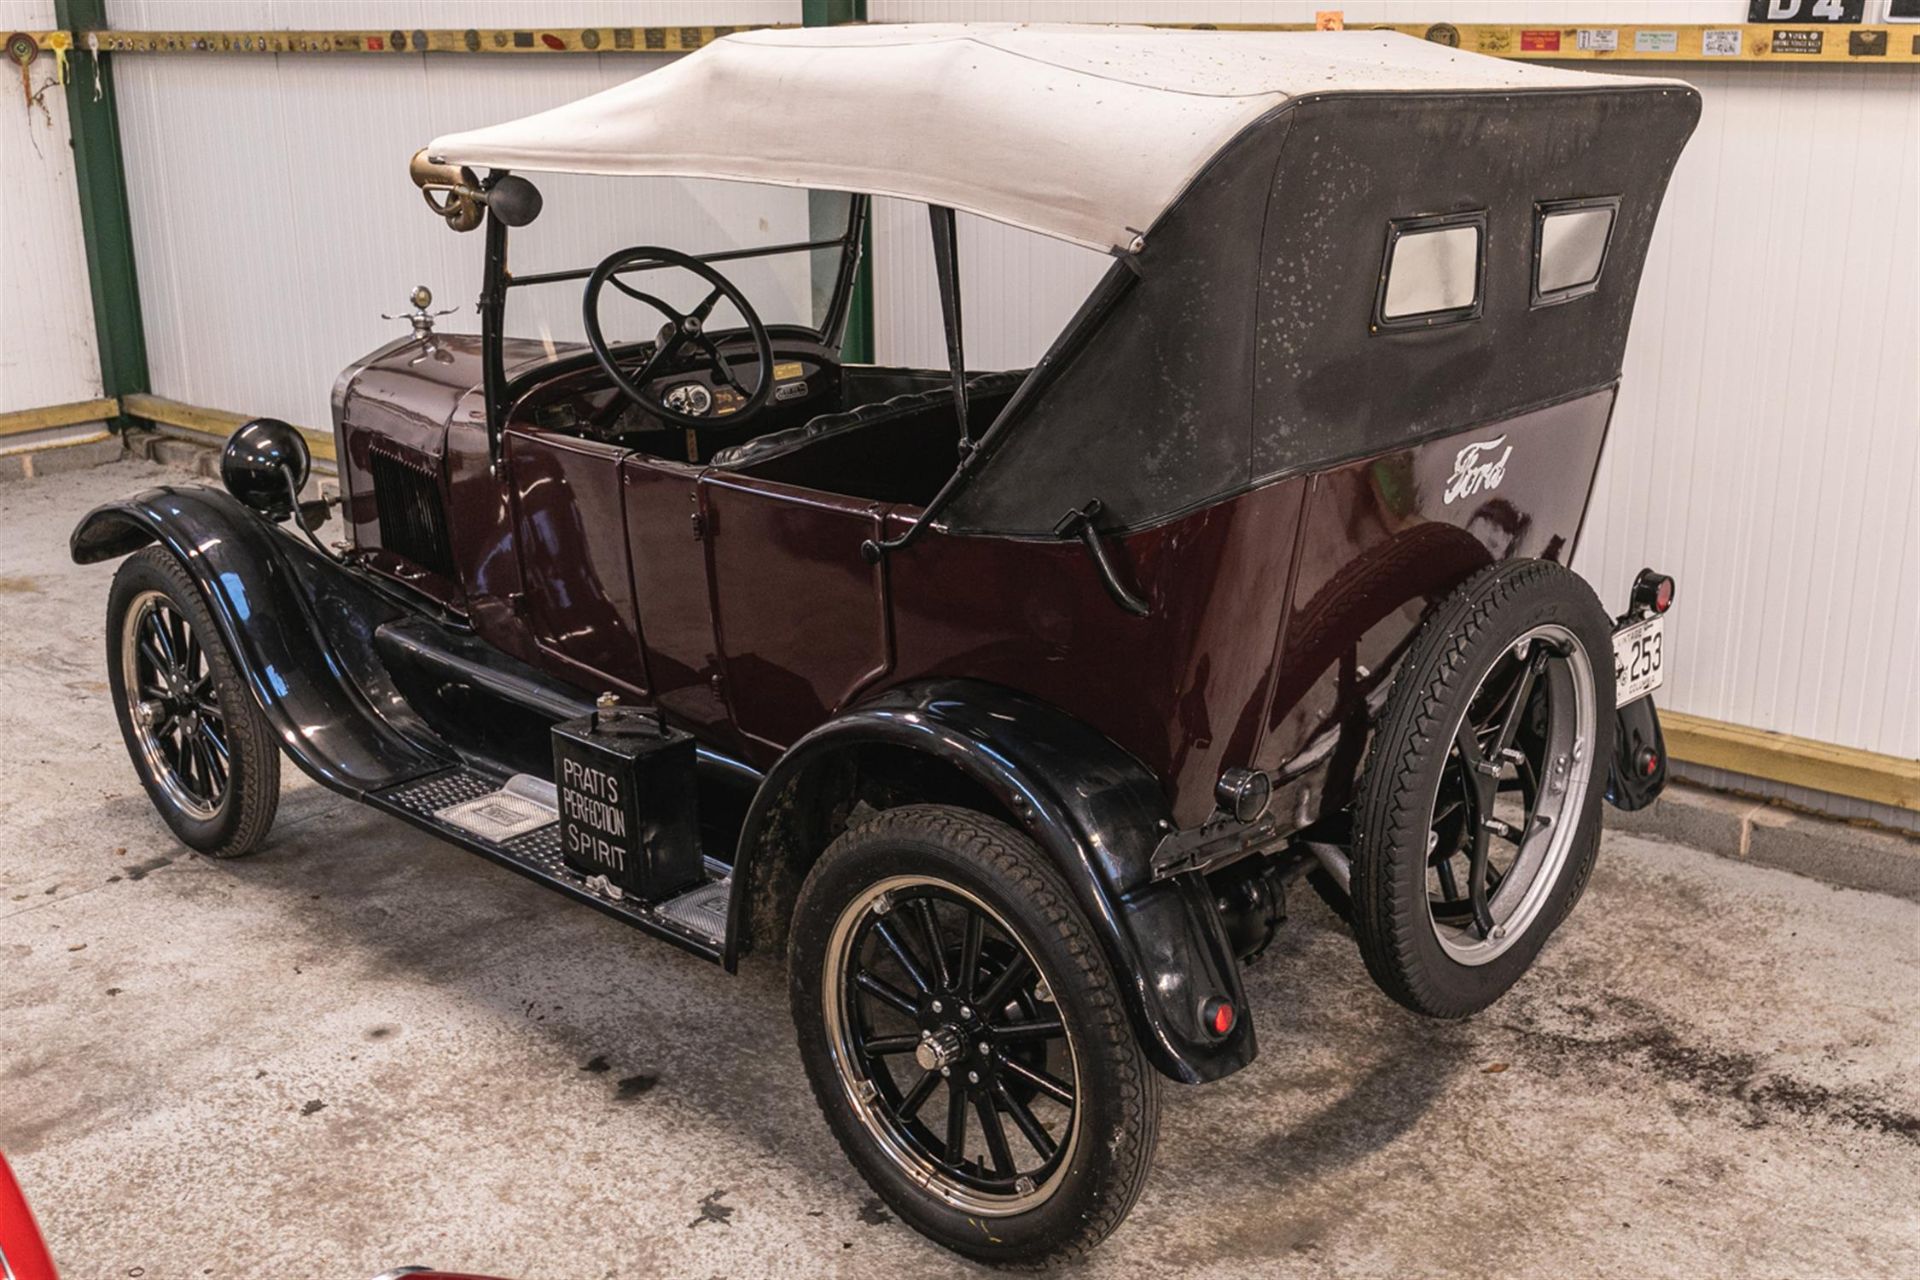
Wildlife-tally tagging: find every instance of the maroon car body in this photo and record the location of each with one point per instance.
(1265, 606)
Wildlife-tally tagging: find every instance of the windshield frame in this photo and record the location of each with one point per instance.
(498, 280)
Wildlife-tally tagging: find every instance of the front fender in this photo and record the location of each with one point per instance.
(1096, 811)
(298, 626)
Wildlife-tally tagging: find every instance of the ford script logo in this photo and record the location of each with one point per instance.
(1471, 474)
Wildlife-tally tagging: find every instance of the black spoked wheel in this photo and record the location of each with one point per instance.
(966, 1039)
(177, 722)
(199, 744)
(950, 1046)
(1516, 774)
(1478, 819)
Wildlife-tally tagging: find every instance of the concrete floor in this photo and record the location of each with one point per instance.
(363, 1048)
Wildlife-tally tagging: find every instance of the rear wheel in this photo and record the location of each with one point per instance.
(966, 1039)
(201, 747)
(1479, 818)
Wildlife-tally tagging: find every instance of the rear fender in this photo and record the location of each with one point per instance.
(1638, 772)
(1095, 810)
(298, 625)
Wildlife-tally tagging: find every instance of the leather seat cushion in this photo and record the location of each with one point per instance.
(987, 387)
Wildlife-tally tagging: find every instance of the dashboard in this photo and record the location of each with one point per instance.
(576, 399)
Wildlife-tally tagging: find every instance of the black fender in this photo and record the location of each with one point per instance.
(298, 625)
(1092, 807)
(1637, 773)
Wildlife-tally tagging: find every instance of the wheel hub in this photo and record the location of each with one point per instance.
(939, 1050)
(954, 1036)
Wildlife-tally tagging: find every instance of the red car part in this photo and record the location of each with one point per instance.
(23, 1254)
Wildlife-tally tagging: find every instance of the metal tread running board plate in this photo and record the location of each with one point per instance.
(702, 910)
(696, 920)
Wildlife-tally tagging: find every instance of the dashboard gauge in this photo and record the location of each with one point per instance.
(690, 398)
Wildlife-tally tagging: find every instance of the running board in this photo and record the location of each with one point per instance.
(441, 658)
(694, 920)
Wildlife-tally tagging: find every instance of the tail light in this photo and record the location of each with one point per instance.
(1652, 592)
(1244, 793)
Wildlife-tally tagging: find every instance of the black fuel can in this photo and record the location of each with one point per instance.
(629, 806)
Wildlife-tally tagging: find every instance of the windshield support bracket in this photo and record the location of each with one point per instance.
(946, 264)
(494, 283)
(1105, 296)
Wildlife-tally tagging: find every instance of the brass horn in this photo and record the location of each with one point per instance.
(460, 196)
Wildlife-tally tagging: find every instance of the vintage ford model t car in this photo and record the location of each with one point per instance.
(1007, 704)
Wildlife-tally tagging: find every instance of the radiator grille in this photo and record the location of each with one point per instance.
(412, 521)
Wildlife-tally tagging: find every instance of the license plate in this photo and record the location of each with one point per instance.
(1638, 668)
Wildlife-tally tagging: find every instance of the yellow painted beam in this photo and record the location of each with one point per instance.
(21, 421)
(215, 424)
(54, 42)
(508, 40)
(48, 446)
(1799, 762)
(1710, 43)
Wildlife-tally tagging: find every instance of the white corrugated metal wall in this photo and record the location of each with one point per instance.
(1767, 444)
(272, 218)
(48, 354)
(1766, 449)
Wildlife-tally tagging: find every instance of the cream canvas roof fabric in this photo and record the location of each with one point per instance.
(1086, 133)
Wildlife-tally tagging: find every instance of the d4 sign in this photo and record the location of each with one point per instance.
(1806, 10)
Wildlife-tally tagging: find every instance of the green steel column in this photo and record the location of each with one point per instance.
(858, 345)
(104, 222)
(831, 13)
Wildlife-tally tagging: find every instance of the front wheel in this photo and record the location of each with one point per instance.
(966, 1039)
(1478, 820)
(201, 747)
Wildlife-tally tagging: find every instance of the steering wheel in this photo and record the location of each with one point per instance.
(679, 333)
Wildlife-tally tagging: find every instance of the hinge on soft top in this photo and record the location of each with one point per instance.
(1079, 523)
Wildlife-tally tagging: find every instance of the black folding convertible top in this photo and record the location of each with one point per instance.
(1241, 343)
